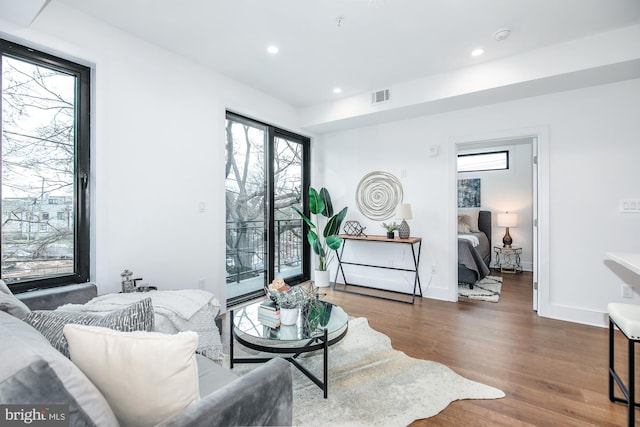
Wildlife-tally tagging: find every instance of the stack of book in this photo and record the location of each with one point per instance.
(269, 314)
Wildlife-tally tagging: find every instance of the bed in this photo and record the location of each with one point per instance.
(474, 259)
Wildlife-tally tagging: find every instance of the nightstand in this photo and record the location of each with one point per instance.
(508, 259)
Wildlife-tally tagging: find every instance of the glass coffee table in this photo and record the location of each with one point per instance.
(316, 329)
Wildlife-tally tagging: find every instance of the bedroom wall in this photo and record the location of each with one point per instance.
(592, 164)
(508, 190)
(158, 133)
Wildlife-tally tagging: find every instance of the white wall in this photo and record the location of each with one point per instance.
(592, 151)
(158, 135)
(508, 190)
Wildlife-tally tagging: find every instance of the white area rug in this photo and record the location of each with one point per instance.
(371, 384)
(487, 289)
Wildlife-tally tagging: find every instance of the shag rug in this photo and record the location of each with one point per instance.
(487, 289)
(371, 384)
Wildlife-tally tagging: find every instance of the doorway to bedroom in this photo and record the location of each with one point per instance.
(497, 205)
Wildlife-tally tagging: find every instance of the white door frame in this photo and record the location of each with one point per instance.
(540, 149)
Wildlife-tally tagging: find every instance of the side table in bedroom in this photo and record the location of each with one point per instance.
(508, 259)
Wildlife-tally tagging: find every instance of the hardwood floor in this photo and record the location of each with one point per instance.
(553, 373)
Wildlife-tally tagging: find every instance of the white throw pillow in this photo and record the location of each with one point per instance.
(147, 377)
(473, 216)
(464, 224)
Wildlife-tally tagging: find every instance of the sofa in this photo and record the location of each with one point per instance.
(34, 370)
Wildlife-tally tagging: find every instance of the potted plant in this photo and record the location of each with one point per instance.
(323, 235)
(290, 302)
(391, 227)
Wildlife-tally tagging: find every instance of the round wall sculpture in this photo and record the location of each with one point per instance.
(378, 194)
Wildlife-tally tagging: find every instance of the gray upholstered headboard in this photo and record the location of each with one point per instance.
(484, 224)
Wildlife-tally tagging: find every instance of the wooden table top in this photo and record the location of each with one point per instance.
(378, 238)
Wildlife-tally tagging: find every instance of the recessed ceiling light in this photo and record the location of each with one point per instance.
(273, 49)
(337, 90)
(477, 52)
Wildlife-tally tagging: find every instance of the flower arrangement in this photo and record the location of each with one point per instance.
(295, 297)
(286, 296)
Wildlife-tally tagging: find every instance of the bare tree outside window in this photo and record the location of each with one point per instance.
(245, 191)
(247, 186)
(38, 166)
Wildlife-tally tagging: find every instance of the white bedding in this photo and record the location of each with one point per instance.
(174, 311)
(470, 237)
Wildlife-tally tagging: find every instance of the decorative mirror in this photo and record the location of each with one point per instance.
(378, 194)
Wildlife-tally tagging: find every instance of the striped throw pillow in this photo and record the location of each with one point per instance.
(135, 317)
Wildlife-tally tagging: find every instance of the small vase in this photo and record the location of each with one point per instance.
(288, 316)
(390, 235)
(321, 278)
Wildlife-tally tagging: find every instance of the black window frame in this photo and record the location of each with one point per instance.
(483, 153)
(82, 172)
(273, 132)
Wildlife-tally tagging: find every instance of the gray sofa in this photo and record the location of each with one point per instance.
(34, 372)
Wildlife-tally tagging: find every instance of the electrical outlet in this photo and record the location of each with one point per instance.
(201, 283)
(627, 291)
(433, 269)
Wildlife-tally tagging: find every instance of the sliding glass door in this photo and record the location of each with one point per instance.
(266, 175)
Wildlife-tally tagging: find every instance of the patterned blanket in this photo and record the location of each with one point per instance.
(174, 311)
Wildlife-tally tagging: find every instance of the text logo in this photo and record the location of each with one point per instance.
(34, 415)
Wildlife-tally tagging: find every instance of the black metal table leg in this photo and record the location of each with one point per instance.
(231, 339)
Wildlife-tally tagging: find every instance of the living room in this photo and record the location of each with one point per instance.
(586, 138)
(158, 158)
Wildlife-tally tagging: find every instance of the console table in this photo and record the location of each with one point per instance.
(412, 242)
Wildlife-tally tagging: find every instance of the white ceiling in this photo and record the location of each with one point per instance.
(380, 42)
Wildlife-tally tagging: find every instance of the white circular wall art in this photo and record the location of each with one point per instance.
(378, 194)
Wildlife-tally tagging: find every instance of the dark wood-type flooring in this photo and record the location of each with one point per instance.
(553, 373)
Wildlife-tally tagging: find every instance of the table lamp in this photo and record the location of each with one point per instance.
(403, 212)
(507, 220)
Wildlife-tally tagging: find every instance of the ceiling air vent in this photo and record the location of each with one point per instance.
(380, 96)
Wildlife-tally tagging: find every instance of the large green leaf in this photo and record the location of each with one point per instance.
(328, 206)
(334, 242)
(334, 224)
(304, 217)
(316, 204)
(312, 237)
(315, 243)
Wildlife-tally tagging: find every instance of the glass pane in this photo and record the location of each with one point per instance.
(245, 208)
(483, 161)
(38, 151)
(287, 171)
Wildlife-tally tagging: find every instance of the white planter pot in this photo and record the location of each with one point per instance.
(321, 278)
(288, 316)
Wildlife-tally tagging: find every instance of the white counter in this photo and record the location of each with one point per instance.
(630, 260)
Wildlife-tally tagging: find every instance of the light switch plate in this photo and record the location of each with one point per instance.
(630, 205)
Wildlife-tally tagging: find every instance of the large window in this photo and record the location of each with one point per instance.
(45, 169)
(266, 175)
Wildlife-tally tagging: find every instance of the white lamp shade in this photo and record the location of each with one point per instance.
(507, 220)
(403, 211)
